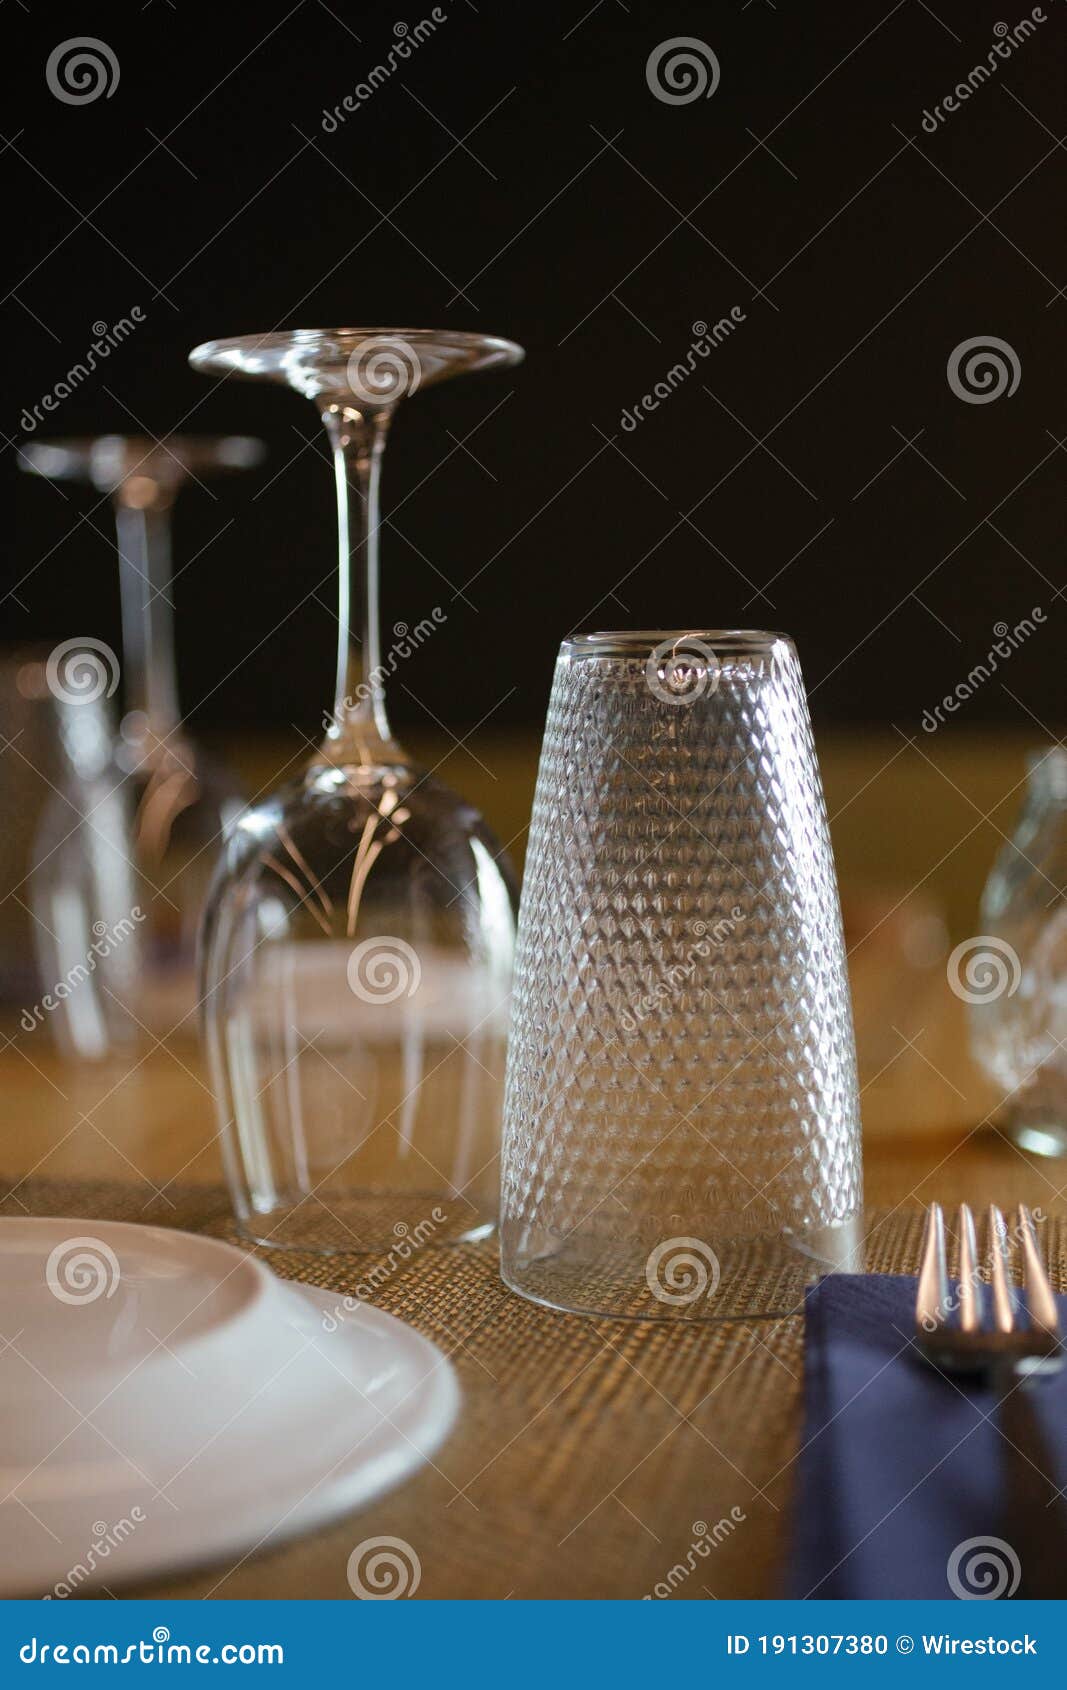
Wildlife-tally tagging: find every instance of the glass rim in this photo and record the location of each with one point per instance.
(641, 642)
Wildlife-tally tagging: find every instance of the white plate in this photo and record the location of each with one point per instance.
(165, 1400)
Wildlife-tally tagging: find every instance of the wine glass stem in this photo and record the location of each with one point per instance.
(358, 440)
(147, 628)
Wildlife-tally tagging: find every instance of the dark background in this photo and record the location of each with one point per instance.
(517, 175)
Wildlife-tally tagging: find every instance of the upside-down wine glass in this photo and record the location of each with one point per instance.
(176, 802)
(358, 940)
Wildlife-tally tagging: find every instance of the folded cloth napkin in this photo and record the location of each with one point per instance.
(900, 1489)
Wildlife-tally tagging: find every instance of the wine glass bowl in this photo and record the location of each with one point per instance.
(357, 958)
(358, 940)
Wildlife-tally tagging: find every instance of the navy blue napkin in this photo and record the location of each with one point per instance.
(898, 1467)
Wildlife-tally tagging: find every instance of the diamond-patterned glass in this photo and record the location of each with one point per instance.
(681, 1120)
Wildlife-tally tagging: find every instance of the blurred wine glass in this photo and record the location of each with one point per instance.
(1013, 976)
(145, 791)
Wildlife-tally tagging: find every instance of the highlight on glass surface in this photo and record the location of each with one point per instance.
(358, 942)
(681, 1135)
(127, 844)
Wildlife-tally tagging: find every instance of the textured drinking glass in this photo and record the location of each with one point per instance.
(1013, 975)
(682, 1132)
(358, 941)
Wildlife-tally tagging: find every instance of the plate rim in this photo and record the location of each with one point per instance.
(354, 1483)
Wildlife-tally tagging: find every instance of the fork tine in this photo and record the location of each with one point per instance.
(932, 1298)
(1039, 1296)
(1003, 1300)
(968, 1271)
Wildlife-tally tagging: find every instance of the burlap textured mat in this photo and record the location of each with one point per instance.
(591, 1458)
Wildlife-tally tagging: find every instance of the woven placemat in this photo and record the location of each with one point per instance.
(591, 1458)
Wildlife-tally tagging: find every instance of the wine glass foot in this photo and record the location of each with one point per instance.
(397, 1226)
(367, 367)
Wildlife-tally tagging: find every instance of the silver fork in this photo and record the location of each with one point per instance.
(1008, 1354)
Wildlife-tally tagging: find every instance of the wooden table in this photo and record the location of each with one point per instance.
(589, 1453)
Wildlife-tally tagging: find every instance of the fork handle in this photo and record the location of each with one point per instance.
(1035, 1520)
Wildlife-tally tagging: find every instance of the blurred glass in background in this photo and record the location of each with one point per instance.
(1014, 976)
(135, 815)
